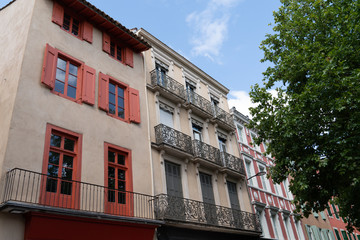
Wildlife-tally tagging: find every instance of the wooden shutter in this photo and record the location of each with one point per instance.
(49, 67)
(134, 100)
(129, 58)
(103, 101)
(106, 43)
(58, 14)
(88, 85)
(87, 34)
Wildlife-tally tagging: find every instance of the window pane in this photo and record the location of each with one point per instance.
(60, 75)
(112, 98)
(51, 185)
(73, 69)
(111, 108)
(61, 64)
(121, 174)
(121, 113)
(121, 197)
(68, 161)
(69, 144)
(66, 23)
(72, 80)
(121, 159)
(111, 183)
(111, 172)
(111, 88)
(66, 174)
(66, 188)
(54, 157)
(71, 92)
(52, 170)
(55, 140)
(120, 92)
(111, 156)
(118, 53)
(112, 48)
(121, 102)
(75, 27)
(59, 87)
(121, 185)
(111, 196)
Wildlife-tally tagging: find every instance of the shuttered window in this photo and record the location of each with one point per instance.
(117, 50)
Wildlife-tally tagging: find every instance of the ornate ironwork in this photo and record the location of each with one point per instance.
(223, 116)
(186, 210)
(198, 101)
(39, 189)
(233, 162)
(171, 137)
(167, 83)
(207, 152)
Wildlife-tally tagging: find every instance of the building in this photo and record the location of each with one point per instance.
(72, 108)
(317, 227)
(199, 180)
(272, 202)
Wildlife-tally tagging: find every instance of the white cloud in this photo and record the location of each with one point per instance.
(210, 27)
(241, 101)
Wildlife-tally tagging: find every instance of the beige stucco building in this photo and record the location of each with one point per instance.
(74, 146)
(199, 179)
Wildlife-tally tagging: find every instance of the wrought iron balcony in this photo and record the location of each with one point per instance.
(170, 137)
(233, 163)
(34, 190)
(207, 152)
(223, 118)
(199, 104)
(170, 208)
(168, 86)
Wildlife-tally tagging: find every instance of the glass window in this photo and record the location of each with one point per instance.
(66, 79)
(116, 100)
(115, 50)
(222, 144)
(197, 132)
(263, 178)
(241, 133)
(71, 24)
(253, 136)
(166, 118)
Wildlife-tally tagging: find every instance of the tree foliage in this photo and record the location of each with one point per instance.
(313, 121)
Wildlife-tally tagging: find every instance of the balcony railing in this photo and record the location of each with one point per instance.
(206, 152)
(36, 189)
(171, 137)
(224, 117)
(170, 208)
(167, 83)
(233, 163)
(198, 101)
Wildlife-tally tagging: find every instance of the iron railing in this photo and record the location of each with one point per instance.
(233, 163)
(186, 210)
(43, 190)
(200, 102)
(223, 116)
(207, 152)
(167, 83)
(171, 137)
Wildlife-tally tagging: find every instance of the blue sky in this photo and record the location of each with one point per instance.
(221, 37)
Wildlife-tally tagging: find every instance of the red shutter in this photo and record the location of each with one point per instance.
(49, 67)
(134, 105)
(103, 101)
(88, 85)
(87, 32)
(129, 57)
(106, 43)
(58, 14)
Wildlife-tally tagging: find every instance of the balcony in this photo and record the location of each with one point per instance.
(173, 141)
(181, 210)
(223, 119)
(167, 87)
(31, 191)
(232, 164)
(198, 104)
(206, 154)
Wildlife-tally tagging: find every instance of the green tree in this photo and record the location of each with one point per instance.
(313, 121)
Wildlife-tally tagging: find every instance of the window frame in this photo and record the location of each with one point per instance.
(125, 88)
(126, 209)
(117, 45)
(241, 132)
(74, 200)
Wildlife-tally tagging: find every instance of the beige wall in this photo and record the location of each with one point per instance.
(35, 106)
(12, 42)
(14, 225)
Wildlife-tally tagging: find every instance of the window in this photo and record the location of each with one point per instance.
(329, 210)
(118, 180)
(190, 90)
(343, 233)
(222, 144)
(241, 133)
(68, 77)
(337, 234)
(61, 166)
(233, 195)
(166, 115)
(197, 132)
(253, 137)
(118, 99)
(249, 171)
(288, 228)
(117, 50)
(71, 24)
(274, 222)
(262, 177)
(335, 211)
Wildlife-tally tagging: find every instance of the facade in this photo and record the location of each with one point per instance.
(199, 179)
(72, 108)
(272, 202)
(317, 227)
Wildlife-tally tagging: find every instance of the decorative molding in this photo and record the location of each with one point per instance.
(166, 108)
(196, 122)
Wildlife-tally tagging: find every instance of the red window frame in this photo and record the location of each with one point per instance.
(72, 21)
(58, 191)
(117, 51)
(125, 96)
(118, 202)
